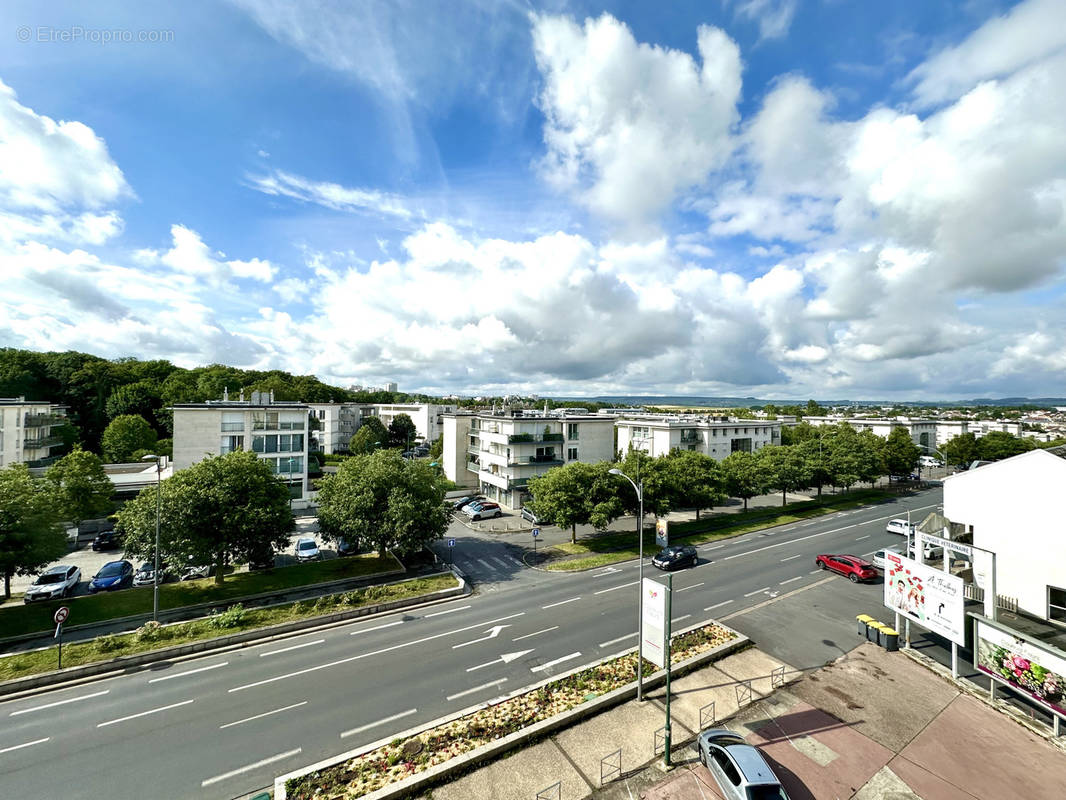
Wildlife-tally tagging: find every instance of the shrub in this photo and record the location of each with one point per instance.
(108, 643)
(150, 631)
(232, 617)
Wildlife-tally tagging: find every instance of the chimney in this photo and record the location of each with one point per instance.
(225, 394)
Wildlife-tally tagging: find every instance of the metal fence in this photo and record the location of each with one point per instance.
(611, 766)
(743, 690)
(553, 792)
(707, 717)
(659, 744)
(777, 677)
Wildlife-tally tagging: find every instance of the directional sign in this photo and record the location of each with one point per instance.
(451, 543)
(536, 532)
(61, 615)
(506, 658)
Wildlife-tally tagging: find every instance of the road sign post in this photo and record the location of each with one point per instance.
(60, 617)
(669, 598)
(451, 544)
(536, 533)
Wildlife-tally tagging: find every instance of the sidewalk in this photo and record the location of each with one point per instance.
(871, 725)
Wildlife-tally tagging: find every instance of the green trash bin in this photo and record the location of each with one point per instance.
(889, 638)
(873, 632)
(864, 621)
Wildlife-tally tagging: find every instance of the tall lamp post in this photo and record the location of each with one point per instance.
(155, 573)
(639, 489)
(292, 461)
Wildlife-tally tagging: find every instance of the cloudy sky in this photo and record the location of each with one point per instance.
(779, 198)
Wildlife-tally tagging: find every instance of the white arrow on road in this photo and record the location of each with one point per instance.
(506, 658)
(492, 632)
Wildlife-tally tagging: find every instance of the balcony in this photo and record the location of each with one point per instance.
(520, 438)
(44, 420)
(43, 462)
(550, 459)
(691, 438)
(42, 441)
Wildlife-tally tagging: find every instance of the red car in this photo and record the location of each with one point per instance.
(857, 569)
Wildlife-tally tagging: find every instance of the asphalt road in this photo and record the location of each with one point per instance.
(223, 725)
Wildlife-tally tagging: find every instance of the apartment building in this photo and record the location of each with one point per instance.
(276, 431)
(716, 437)
(336, 425)
(499, 451)
(427, 417)
(948, 429)
(27, 431)
(923, 432)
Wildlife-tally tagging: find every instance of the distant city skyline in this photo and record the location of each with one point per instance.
(740, 198)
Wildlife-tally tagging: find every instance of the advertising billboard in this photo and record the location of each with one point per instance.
(661, 537)
(653, 642)
(926, 595)
(1029, 669)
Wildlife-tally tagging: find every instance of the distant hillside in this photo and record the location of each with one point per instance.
(747, 402)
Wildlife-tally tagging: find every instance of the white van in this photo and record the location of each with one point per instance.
(900, 526)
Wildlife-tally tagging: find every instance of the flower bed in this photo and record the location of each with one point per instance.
(401, 758)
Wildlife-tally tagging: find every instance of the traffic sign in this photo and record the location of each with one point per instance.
(536, 532)
(451, 543)
(61, 615)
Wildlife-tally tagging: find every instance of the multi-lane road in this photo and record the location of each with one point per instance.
(224, 724)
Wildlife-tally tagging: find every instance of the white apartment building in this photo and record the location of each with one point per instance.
(337, 424)
(948, 429)
(276, 431)
(427, 417)
(923, 432)
(1013, 508)
(500, 451)
(27, 431)
(716, 437)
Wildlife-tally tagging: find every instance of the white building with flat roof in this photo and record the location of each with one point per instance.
(717, 437)
(923, 432)
(427, 417)
(335, 425)
(275, 431)
(948, 429)
(27, 431)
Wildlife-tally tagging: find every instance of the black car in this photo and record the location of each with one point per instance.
(463, 501)
(347, 547)
(676, 556)
(108, 540)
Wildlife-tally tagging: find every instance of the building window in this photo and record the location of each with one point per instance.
(1056, 604)
(571, 430)
(322, 413)
(571, 454)
(740, 446)
(231, 443)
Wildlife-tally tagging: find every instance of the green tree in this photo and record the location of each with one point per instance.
(783, 468)
(387, 501)
(999, 444)
(577, 494)
(436, 450)
(402, 432)
(141, 398)
(30, 534)
(659, 494)
(743, 478)
(802, 432)
(220, 510)
(961, 450)
(816, 455)
(813, 409)
(80, 486)
(124, 436)
(696, 480)
(845, 455)
(871, 457)
(364, 441)
(900, 452)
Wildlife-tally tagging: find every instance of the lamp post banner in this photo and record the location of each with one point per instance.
(653, 640)
(661, 537)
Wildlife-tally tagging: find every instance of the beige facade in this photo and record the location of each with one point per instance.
(716, 437)
(27, 431)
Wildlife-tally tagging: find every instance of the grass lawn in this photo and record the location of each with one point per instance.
(615, 547)
(234, 620)
(15, 620)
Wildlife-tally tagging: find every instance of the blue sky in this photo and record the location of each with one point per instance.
(769, 197)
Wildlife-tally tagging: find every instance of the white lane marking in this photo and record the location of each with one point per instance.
(718, 605)
(622, 586)
(260, 716)
(145, 713)
(449, 611)
(535, 633)
(693, 586)
(815, 571)
(763, 589)
(716, 547)
(188, 672)
(506, 658)
(678, 619)
(619, 639)
(377, 627)
(550, 664)
(514, 561)
(860, 538)
(385, 721)
(503, 564)
(241, 770)
(291, 647)
(798, 555)
(349, 659)
(492, 632)
(485, 564)
(25, 744)
(58, 703)
(561, 603)
(480, 688)
(790, 580)
(606, 572)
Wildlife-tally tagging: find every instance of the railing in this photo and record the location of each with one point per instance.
(43, 420)
(43, 441)
(232, 426)
(518, 438)
(536, 460)
(691, 438)
(43, 462)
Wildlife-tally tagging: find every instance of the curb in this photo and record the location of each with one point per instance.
(43, 680)
(492, 750)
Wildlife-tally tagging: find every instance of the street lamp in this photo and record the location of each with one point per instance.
(292, 460)
(155, 575)
(639, 489)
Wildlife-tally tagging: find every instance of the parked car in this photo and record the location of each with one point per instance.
(195, 569)
(347, 547)
(900, 526)
(856, 569)
(739, 768)
(930, 551)
(307, 549)
(112, 575)
(675, 556)
(462, 502)
(529, 516)
(879, 557)
(53, 583)
(145, 574)
(262, 560)
(482, 509)
(108, 540)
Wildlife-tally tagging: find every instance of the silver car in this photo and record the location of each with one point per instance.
(740, 769)
(56, 582)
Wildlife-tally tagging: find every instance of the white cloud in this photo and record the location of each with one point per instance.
(630, 125)
(773, 16)
(190, 256)
(330, 195)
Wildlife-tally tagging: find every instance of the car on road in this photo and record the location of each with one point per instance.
(900, 526)
(53, 583)
(529, 516)
(112, 575)
(462, 502)
(307, 549)
(145, 574)
(482, 510)
(108, 540)
(930, 551)
(675, 556)
(856, 569)
(739, 769)
(879, 558)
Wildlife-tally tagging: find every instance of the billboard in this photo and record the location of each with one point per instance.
(926, 595)
(1028, 668)
(653, 641)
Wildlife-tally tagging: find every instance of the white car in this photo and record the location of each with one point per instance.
(307, 549)
(900, 526)
(879, 557)
(56, 582)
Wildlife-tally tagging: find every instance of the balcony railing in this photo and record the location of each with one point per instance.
(43, 462)
(517, 438)
(691, 438)
(43, 420)
(42, 441)
(552, 459)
